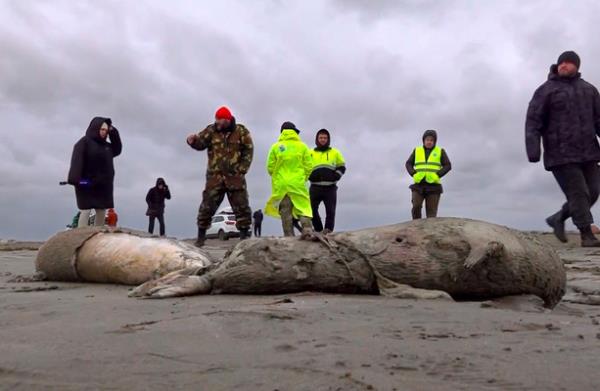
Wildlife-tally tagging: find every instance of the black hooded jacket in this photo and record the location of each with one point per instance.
(564, 114)
(156, 198)
(326, 174)
(446, 166)
(92, 160)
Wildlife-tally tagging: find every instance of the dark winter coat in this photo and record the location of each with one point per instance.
(564, 114)
(258, 217)
(156, 199)
(92, 160)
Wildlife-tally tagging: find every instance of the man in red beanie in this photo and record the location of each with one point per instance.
(230, 152)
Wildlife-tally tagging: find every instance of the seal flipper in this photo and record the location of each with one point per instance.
(390, 288)
(479, 253)
(185, 282)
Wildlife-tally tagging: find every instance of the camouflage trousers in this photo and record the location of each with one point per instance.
(213, 195)
(287, 218)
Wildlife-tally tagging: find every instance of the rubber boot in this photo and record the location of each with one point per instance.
(588, 239)
(244, 234)
(557, 223)
(201, 237)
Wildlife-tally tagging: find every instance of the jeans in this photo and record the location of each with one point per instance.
(257, 230)
(161, 221)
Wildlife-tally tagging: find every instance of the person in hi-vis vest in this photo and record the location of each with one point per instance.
(427, 165)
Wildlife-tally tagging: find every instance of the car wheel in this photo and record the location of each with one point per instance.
(223, 235)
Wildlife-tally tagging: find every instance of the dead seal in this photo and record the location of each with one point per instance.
(444, 257)
(118, 256)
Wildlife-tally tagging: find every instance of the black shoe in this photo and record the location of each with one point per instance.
(558, 226)
(244, 234)
(201, 237)
(588, 239)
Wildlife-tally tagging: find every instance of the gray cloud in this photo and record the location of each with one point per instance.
(376, 73)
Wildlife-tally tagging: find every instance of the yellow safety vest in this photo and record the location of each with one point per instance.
(428, 168)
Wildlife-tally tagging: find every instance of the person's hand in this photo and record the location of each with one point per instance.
(191, 139)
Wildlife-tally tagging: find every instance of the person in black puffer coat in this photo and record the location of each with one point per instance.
(564, 114)
(156, 205)
(92, 170)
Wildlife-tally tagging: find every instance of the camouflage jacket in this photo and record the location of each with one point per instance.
(229, 152)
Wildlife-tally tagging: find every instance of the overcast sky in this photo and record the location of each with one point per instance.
(376, 73)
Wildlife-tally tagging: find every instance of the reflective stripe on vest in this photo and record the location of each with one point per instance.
(427, 168)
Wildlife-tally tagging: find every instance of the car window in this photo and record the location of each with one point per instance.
(218, 219)
(231, 218)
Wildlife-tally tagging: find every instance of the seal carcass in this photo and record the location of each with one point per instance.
(462, 258)
(119, 256)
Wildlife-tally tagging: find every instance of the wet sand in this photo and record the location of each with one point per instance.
(92, 336)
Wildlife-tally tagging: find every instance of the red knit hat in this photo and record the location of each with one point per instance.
(223, 113)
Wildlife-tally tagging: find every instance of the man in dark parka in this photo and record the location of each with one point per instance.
(92, 170)
(258, 219)
(564, 114)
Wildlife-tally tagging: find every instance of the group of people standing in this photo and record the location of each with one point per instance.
(290, 163)
(564, 114)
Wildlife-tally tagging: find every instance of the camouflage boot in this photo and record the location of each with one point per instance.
(201, 237)
(244, 234)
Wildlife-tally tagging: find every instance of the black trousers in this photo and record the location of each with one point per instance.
(257, 230)
(161, 220)
(581, 184)
(327, 195)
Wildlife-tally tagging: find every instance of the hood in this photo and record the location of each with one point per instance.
(553, 74)
(161, 181)
(93, 130)
(326, 146)
(431, 133)
(289, 135)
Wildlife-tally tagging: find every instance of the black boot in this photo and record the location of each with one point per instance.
(588, 239)
(558, 226)
(244, 234)
(201, 237)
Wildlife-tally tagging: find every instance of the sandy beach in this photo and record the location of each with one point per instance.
(72, 336)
